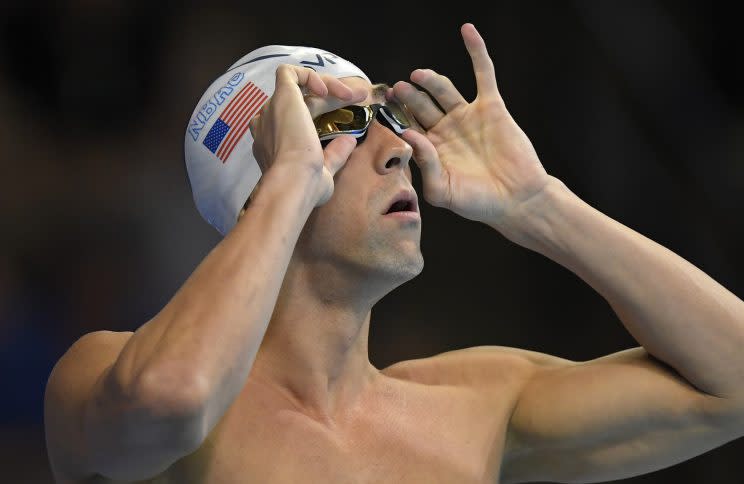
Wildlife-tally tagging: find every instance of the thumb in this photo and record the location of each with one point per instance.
(338, 151)
(427, 159)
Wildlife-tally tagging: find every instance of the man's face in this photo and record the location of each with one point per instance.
(351, 231)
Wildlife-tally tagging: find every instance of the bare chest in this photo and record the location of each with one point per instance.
(430, 435)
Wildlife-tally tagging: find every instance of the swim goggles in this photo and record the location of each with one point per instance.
(355, 120)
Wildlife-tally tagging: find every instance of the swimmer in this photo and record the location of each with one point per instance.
(257, 370)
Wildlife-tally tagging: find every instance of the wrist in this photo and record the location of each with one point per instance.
(530, 224)
(286, 185)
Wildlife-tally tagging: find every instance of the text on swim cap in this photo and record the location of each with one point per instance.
(210, 107)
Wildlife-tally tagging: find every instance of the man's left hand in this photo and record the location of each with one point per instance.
(474, 159)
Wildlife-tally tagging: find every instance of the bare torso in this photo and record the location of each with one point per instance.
(413, 427)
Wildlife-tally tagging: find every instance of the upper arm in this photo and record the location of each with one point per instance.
(613, 417)
(92, 427)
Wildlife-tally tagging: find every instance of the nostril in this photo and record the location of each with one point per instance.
(392, 162)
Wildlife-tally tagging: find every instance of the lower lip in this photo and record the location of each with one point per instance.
(404, 215)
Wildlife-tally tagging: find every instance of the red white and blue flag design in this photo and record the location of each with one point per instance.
(233, 122)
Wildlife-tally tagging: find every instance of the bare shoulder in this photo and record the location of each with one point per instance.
(489, 381)
(68, 388)
(478, 367)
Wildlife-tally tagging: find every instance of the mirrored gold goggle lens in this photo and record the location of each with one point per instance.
(344, 120)
(355, 120)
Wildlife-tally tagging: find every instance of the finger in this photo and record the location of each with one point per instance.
(426, 158)
(301, 78)
(339, 94)
(439, 86)
(338, 151)
(389, 94)
(314, 83)
(419, 103)
(485, 77)
(337, 88)
(319, 105)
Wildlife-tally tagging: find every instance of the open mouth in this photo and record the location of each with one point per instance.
(404, 202)
(401, 206)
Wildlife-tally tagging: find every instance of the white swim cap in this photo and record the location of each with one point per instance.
(218, 144)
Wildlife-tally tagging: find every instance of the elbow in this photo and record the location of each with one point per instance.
(173, 391)
(178, 403)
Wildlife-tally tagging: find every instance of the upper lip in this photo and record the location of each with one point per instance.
(407, 195)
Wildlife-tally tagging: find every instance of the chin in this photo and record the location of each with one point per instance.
(406, 268)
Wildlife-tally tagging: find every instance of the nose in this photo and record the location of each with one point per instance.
(391, 153)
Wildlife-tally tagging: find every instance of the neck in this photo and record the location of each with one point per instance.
(315, 348)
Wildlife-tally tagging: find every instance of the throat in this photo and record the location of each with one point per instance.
(319, 373)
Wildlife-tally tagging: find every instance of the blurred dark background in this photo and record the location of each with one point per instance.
(638, 106)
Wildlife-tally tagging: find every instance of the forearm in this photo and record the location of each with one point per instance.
(201, 346)
(678, 313)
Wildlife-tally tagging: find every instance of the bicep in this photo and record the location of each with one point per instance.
(617, 416)
(91, 427)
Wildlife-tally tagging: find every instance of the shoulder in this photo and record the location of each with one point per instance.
(67, 390)
(480, 367)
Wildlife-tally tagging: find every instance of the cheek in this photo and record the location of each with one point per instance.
(349, 189)
(352, 197)
(347, 211)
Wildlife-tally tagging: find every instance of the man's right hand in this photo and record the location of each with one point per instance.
(284, 133)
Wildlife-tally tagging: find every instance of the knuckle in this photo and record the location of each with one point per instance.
(309, 72)
(286, 73)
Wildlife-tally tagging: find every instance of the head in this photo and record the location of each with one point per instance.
(349, 235)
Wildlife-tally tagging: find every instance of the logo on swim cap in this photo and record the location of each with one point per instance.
(214, 102)
(320, 60)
